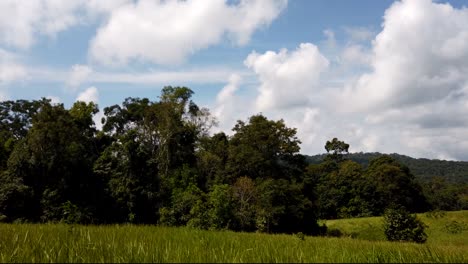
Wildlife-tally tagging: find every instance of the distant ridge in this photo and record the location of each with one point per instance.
(423, 169)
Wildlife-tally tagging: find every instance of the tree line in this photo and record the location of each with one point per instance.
(444, 183)
(154, 162)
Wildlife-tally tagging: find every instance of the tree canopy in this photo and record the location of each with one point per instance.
(155, 162)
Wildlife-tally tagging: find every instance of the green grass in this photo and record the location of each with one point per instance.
(370, 228)
(129, 243)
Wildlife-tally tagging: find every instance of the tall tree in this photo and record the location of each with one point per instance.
(394, 184)
(263, 148)
(55, 160)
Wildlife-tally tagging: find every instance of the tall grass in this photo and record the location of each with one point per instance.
(370, 228)
(129, 243)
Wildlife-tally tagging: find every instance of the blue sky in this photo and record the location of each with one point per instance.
(388, 76)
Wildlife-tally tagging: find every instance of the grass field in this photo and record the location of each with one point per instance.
(127, 243)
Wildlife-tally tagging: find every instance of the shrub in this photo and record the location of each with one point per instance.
(400, 225)
(435, 214)
(454, 227)
(300, 236)
(334, 232)
(73, 214)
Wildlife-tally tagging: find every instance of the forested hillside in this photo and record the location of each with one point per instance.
(423, 169)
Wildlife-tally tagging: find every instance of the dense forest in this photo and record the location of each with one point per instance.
(423, 169)
(154, 162)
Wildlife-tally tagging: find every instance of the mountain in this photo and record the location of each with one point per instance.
(423, 169)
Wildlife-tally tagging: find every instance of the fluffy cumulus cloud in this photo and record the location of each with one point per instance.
(166, 32)
(411, 97)
(287, 79)
(419, 56)
(419, 81)
(355, 54)
(226, 109)
(21, 22)
(91, 94)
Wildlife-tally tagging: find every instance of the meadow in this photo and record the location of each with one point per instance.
(363, 242)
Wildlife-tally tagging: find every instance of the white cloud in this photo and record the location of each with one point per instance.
(21, 22)
(166, 32)
(229, 90)
(415, 95)
(91, 94)
(10, 72)
(287, 79)
(200, 75)
(418, 57)
(54, 99)
(411, 96)
(10, 68)
(230, 106)
(355, 54)
(78, 74)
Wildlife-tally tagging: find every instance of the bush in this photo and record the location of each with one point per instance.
(73, 214)
(435, 214)
(455, 227)
(400, 225)
(334, 232)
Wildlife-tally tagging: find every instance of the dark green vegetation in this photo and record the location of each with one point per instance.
(423, 169)
(130, 243)
(444, 183)
(155, 163)
(400, 225)
(443, 228)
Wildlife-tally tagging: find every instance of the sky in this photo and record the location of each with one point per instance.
(386, 76)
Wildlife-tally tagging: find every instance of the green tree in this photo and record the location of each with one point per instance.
(212, 156)
(336, 149)
(342, 193)
(442, 195)
(55, 159)
(400, 225)
(15, 122)
(221, 204)
(393, 183)
(15, 198)
(263, 148)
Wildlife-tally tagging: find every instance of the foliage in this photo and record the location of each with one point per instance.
(155, 162)
(336, 149)
(455, 227)
(264, 149)
(400, 225)
(371, 228)
(423, 169)
(436, 214)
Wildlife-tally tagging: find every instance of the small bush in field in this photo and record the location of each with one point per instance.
(455, 227)
(435, 214)
(400, 225)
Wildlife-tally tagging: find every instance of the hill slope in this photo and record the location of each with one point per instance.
(423, 169)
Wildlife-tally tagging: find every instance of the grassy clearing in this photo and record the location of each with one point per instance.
(439, 230)
(127, 243)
